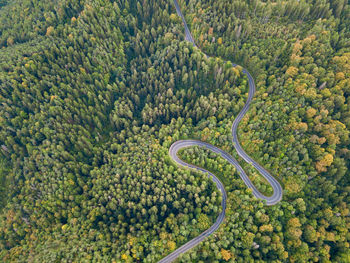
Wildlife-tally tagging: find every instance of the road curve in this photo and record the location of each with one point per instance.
(178, 145)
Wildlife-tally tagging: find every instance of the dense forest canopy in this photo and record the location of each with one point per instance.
(93, 93)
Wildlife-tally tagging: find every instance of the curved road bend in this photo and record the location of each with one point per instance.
(178, 145)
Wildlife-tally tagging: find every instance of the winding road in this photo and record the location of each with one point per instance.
(178, 145)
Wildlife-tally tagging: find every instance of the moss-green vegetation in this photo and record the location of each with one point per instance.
(93, 93)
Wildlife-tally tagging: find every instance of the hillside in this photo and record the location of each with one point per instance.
(94, 93)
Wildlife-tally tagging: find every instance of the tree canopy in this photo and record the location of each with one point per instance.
(93, 93)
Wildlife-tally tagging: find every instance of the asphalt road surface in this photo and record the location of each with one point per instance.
(178, 145)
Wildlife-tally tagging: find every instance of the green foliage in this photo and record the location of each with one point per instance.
(4, 179)
(297, 126)
(93, 93)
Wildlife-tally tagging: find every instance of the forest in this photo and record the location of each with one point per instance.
(94, 92)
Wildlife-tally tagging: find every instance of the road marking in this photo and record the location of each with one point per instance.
(275, 198)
